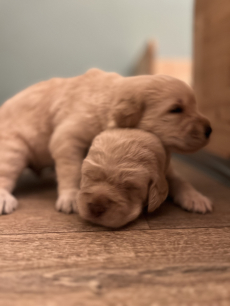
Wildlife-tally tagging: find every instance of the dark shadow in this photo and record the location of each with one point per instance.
(29, 182)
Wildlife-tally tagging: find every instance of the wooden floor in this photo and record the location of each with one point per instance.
(171, 257)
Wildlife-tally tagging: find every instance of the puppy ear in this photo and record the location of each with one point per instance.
(158, 192)
(128, 112)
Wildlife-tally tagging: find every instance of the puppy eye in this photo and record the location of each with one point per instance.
(176, 109)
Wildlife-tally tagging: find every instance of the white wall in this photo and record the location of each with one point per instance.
(44, 38)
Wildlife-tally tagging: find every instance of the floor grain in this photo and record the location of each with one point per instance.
(170, 257)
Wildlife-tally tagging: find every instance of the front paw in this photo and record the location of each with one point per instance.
(8, 203)
(194, 201)
(67, 202)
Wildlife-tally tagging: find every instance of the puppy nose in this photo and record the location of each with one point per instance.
(98, 206)
(208, 131)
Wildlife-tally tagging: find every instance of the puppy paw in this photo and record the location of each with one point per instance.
(8, 203)
(67, 202)
(194, 201)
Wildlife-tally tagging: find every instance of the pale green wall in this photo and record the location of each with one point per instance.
(44, 38)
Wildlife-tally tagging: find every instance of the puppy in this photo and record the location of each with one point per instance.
(124, 170)
(54, 122)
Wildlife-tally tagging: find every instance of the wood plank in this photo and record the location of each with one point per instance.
(167, 286)
(171, 216)
(211, 68)
(167, 267)
(146, 62)
(124, 249)
(180, 68)
(149, 63)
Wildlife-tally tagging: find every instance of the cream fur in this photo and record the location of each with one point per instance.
(55, 122)
(124, 170)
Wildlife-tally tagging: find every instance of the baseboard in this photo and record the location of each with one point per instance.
(214, 166)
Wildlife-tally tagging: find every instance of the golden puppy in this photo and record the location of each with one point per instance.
(124, 170)
(55, 122)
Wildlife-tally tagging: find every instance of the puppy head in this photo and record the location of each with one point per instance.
(164, 106)
(109, 197)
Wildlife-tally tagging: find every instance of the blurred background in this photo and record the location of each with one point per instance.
(46, 38)
(184, 38)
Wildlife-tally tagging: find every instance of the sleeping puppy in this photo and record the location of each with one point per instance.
(124, 170)
(54, 122)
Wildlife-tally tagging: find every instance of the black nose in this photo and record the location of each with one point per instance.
(96, 209)
(208, 131)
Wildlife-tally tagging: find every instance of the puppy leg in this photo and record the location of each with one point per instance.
(68, 170)
(186, 196)
(13, 159)
(68, 158)
(158, 192)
